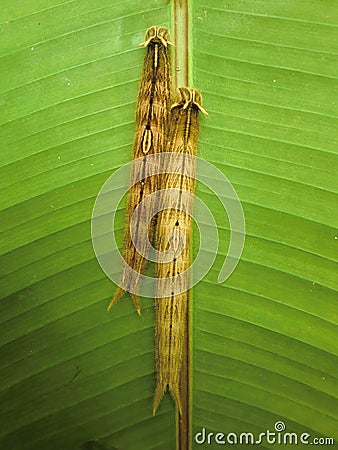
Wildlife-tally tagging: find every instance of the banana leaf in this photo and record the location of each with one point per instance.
(264, 341)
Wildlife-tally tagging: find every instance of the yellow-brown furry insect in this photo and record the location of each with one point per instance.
(174, 232)
(152, 114)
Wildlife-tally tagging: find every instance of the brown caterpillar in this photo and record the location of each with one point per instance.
(152, 114)
(171, 311)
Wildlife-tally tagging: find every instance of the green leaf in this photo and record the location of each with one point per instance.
(264, 341)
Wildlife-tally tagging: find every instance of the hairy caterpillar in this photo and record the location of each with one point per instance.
(173, 233)
(152, 114)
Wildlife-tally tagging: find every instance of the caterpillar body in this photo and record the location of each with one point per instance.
(174, 233)
(152, 115)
